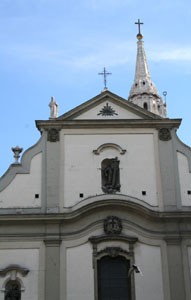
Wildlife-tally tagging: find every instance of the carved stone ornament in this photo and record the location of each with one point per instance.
(164, 134)
(53, 135)
(107, 110)
(112, 225)
(112, 251)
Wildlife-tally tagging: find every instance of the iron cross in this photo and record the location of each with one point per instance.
(105, 74)
(139, 23)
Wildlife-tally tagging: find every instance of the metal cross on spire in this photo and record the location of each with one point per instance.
(139, 23)
(105, 74)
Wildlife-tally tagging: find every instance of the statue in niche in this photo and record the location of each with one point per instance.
(110, 175)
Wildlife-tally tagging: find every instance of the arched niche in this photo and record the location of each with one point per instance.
(13, 284)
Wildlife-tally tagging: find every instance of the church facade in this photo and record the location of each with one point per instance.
(100, 207)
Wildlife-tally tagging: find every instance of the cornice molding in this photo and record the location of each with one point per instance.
(104, 238)
(115, 123)
(146, 211)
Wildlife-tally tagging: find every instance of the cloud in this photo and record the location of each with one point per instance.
(179, 54)
(89, 55)
(84, 56)
(110, 54)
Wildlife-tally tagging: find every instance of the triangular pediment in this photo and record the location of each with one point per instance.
(107, 106)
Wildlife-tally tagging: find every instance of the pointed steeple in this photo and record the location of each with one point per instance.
(143, 91)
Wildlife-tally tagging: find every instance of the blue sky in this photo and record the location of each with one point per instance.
(58, 47)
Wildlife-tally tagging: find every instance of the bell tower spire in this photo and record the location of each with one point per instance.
(143, 91)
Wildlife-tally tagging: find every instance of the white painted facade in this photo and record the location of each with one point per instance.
(20, 193)
(108, 179)
(66, 218)
(82, 167)
(23, 256)
(185, 179)
(80, 272)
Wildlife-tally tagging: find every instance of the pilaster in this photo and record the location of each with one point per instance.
(52, 269)
(175, 267)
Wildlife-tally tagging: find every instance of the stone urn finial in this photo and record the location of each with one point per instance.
(17, 151)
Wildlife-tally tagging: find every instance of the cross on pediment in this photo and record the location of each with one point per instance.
(105, 74)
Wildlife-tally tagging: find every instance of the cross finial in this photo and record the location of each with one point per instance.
(105, 74)
(139, 23)
(139, 35)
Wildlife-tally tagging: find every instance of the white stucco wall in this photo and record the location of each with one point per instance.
(21, 191)
(27, 258)
(184, 179)
(80, 273)
(81, 168)
(150, 285)
(79, 270)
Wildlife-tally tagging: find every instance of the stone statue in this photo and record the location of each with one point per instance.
(53, 108)
(110, 175)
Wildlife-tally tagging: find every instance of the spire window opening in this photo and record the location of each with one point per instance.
(145, 105)
(143, 82)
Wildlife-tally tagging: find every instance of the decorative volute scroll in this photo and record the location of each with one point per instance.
(109, 145)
